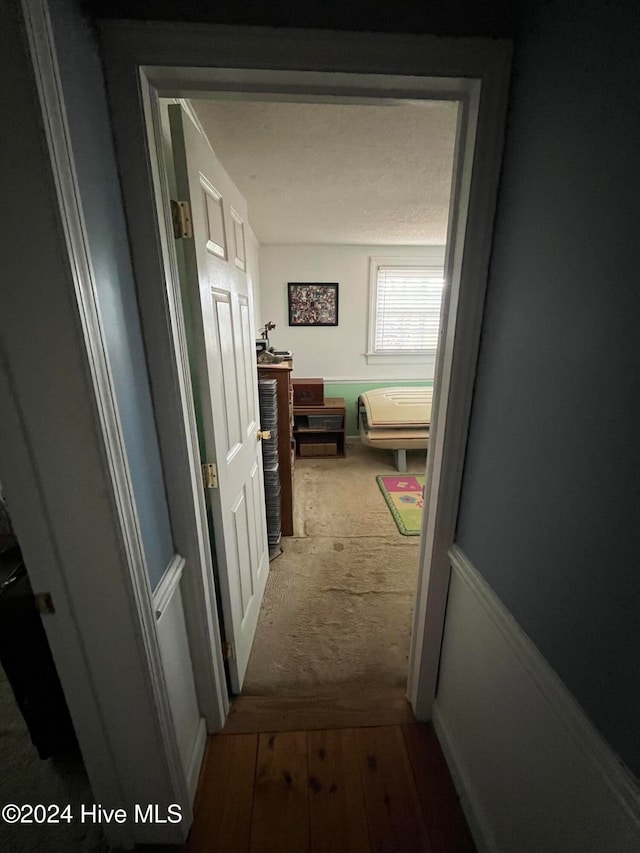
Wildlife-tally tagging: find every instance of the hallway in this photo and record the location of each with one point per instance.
(382, 789)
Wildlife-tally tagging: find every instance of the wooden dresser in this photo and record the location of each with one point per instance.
(286, 445)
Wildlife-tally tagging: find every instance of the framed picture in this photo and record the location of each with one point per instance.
(313, 304)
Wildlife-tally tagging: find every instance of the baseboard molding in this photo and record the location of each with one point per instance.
(523, 740)
(469, 800)
(197, 756)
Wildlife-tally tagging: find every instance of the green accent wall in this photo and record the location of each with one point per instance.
(352, 390)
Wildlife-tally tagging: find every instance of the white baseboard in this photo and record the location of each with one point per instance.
(469, 799)
(532, 771)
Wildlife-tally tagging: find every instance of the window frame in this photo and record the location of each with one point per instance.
(429, 256)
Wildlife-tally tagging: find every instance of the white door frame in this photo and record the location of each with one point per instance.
(145, 61)
(65, 469)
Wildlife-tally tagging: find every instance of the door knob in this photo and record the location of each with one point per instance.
(264, 433)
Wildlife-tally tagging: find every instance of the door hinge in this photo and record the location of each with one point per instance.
(227, 651)
(210, 475)
(181, 216)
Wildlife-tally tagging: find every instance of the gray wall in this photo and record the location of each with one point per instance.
(91, 140)
(551, 494)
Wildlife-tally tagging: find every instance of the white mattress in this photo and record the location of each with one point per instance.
(398, 408)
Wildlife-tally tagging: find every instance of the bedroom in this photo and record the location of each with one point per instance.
(353, 195)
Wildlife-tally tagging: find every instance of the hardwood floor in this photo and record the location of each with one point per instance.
(378, 789)
(291, 713)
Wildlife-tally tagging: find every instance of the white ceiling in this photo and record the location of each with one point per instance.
(338, 173)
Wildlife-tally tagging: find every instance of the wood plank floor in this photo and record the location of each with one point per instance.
(382, 707)
(379, 789)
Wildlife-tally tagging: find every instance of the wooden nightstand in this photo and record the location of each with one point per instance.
(319, 430)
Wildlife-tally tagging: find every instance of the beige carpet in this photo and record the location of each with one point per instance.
(338, 605)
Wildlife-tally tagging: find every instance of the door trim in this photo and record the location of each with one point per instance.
(76, 639)
(143, 61)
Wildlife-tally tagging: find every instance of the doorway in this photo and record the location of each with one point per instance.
(142, 64)
(134, 88)
(338, 604)
(40, 753)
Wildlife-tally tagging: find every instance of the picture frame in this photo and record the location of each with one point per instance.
(313, 303)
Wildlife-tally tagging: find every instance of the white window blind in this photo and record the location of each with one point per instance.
(407, 309)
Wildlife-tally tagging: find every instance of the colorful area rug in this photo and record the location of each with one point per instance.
(403, 494)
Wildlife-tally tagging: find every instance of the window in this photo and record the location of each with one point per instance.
(404, 318)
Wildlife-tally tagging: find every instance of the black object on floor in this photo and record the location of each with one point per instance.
(27, 661)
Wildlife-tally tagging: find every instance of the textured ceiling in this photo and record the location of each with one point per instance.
(338, 173)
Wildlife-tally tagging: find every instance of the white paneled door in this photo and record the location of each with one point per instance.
(222, 353)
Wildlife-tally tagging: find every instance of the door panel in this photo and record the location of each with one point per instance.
(222, 354)
(241, 530)
(214, 218)
(224, 331)
(238, 239)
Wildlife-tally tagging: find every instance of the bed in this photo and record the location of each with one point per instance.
(395, 419)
